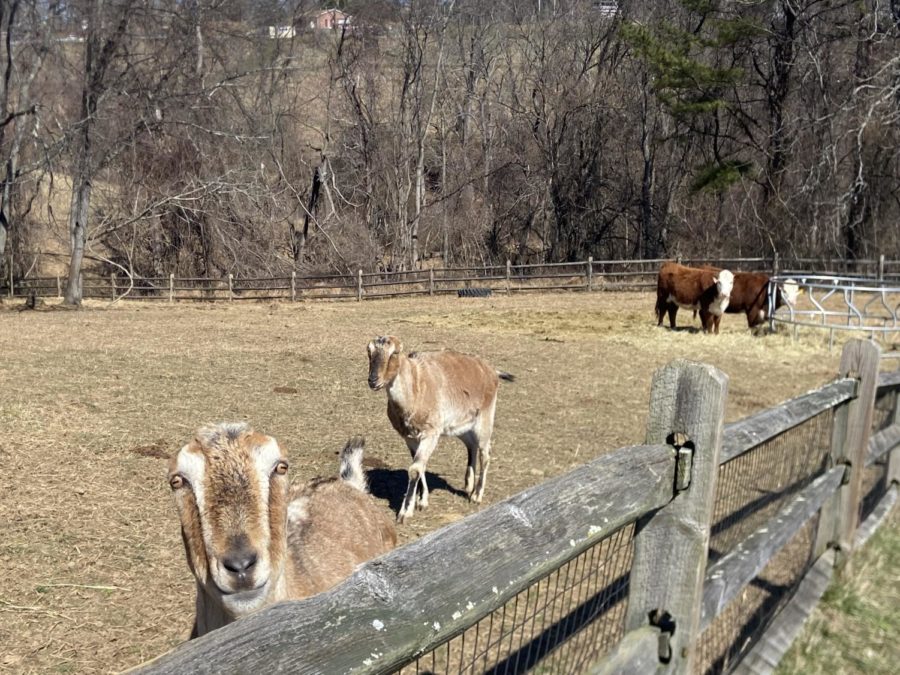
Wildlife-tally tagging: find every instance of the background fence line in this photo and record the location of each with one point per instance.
(701, 551)
(586, 275)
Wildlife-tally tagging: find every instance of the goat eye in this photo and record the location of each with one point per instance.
(176, 482)
(281, 468)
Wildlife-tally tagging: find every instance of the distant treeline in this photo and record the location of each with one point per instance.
(213, 137)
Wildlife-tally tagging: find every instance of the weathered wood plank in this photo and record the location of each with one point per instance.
(754, 430)
(730, 574)
(879, 513)
(828, 517)
(882, 442)
(687, 405)
(636, 654)
(892, 472)
(860, 358)
(765, 655)
(889, 379)
(420, 595)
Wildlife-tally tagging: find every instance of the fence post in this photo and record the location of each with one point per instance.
(775, 264)
(508, 276)
(293, 286)
(431, 281)
(58, 287)
(230, 287)
(590, 273)
(11, 293)
(849, 446)
(881, 267)
(687, 407)
(171, 288)
(359, 285)
(112, 284)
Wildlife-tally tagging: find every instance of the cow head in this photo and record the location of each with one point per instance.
(724, 283)
(789, 291)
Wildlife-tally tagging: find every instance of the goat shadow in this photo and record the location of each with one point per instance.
(390, 485)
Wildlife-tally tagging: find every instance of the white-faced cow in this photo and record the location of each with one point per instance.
(704, 290)
(749, 296)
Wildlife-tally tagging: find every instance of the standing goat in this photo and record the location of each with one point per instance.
(434, 394)
(251, 539)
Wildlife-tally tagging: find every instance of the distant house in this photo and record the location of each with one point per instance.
(330, 19)
(282, 32)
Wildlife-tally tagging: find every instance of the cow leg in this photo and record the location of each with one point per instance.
(706, 320)
(416, 473)
(673, 310)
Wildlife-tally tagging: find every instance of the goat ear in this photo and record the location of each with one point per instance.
(398, 346)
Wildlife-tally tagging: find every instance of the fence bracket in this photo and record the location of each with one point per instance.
(684, 460)
(661, 619)
(848, 468)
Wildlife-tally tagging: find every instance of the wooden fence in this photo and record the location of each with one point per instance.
(700, 551)
(588, 275)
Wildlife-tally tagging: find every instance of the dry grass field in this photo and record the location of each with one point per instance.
(94, 400)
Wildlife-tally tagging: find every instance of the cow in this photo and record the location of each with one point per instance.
(749, 295)
(702, 290)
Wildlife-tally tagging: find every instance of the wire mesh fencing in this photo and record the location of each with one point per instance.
(754, 486)
(734, 632)
(875, 476)
(562, 623)
(883, 413)
(751, 489)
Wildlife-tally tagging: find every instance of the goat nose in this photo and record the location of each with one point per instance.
(239, 562)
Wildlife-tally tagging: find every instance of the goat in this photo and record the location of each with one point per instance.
(434, 394)
(251, 539)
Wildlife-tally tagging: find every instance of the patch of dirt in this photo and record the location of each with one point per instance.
(286, 390)
(92, 385)
(157, 450)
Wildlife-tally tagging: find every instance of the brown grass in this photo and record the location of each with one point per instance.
(95, 579)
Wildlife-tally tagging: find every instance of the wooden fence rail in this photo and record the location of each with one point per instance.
(586, 275)
(421, 601)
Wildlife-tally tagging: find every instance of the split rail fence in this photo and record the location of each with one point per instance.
(588, 275)
(700, 551)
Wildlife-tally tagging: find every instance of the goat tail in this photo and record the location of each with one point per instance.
(503, 375)
(351, 464)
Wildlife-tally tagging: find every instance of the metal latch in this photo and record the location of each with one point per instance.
(684, 459)
(666, 624)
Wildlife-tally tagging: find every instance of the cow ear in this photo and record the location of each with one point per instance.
(716, 279)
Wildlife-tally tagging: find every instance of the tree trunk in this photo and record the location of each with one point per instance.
(858, 207)
(78, 213)
(98, 55)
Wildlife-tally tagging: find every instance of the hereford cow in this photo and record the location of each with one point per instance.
(702, 290)
(749, 295)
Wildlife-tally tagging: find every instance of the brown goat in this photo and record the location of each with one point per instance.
(434, 394)
(251, 539)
